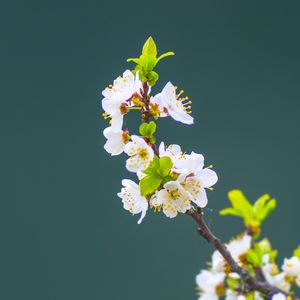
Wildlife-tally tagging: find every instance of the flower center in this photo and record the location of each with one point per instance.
(174, 193)
(124, 109)
(143, 153)
(125, 136)
(220, 290)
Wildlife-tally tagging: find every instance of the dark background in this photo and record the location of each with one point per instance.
(64, 233)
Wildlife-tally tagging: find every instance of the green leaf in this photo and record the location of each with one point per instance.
(250, 296)
(149, 184)
(147, 62)
(136, 60)
(230, 211)
(233, 283)
(152, 77)
(264, 246)
(151, 128)
(165, 165)
(241, 204)
(253, 257)
(297, 252)
(153, 167)
(263, 207)
(147, 129)
(170, 53)
(143, 129)
(149, 47)
(268, 209)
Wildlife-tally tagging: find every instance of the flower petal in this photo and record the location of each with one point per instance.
(207, 177)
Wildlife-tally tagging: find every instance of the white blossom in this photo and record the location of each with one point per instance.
(211, 284)
(194, 178)
(173, 198)
(117, 97)
(270, 272)
(132, 199)
(116, 140)
(173, 151)
(217, 262)
(239, 247)
(278, 280)
(141, 154)
(233, 295)
(291, 266)
(279, 296)
(170, 104)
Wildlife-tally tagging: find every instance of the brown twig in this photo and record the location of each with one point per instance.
(252, 283)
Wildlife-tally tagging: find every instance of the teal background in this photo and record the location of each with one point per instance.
(64, 233)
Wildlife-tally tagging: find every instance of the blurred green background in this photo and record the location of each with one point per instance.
(64, 233)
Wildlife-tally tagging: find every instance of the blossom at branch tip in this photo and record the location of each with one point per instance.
(117, 97)
(132, 199)
(170, 104)
(211, 285)
(141, 154)
(116, 140)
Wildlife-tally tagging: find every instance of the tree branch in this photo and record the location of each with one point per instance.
(253, 284)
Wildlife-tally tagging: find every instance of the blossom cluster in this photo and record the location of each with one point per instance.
(169, 179)
(254, 255)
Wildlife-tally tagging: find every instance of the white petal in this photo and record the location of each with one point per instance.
(207, 177)
(181, 116)
(114, 144)
(169, 89)
(117, 121)
(201, 200)
(110, 106)
(161, 149)
(143, 214)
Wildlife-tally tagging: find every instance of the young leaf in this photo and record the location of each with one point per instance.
(149, 184)
(151, 128)
(253, 257)
(165, 165)
(250, 296)
(149, 47)
(152, 77)
(164, 55)
(230, 211)
(153, 167)
(143, 129)
(268, 209)
(147, 62)
(136, 60)
(241, 204)
(147, 129)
